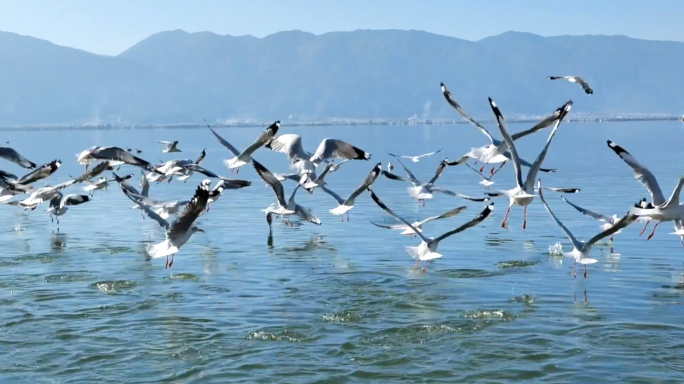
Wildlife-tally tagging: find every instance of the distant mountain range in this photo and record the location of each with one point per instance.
(177, 76)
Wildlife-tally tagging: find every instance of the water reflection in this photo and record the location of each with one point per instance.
(58, 242)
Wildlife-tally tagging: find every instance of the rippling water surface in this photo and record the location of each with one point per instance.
(340, 302)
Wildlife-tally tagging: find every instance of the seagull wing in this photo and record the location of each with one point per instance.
(263, 139)
(7, 176)
(150, 213)
(40, 173)
(575, 243)
(477, 220)
(410, 175)
(386, 226)
(444, 215)
(271, 180)
(191, 212)
(534, 170)
(589, 213)
(585, 86)
(118, 154)
(641, 173)
(74, 199)
(335, 196)
(10, 154)
(144, 184)
(438, 173)
(386, 209)
(626, 220)
(94, 171)
(428, 154)
(509, 141)
(544, 123)
(223, 142)
(367, 182)
(291, 145)
(450, 193)
(454, 104)
(56, 201)
(338, 149)
(306, 214)
(392, 176)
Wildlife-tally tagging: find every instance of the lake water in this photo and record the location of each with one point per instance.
(340, 302)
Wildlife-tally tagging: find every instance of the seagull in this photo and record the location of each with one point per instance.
(180, 168)
(427, 250)
(245, 156)
(40, 173)
(406, 230)
(102, 183)
(284, 208)
(661, 210)
(581, 249)
(10, 154)
(422, 191)
(45, 193)
(114, 154)
(179, 232)
(95, 171)
(574, 79)
(390, 167)
(338, 149)
(59, 204)
(318, 181)
(486, 180)
(291, 145)
(8, 176)
(523, 193)
(610, 221)
(346, 205)
(170, 146)
(416, 159)
(498, 151)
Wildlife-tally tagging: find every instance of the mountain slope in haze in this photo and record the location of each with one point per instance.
(178, 76)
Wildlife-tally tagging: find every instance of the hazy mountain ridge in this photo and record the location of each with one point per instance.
(178, 76)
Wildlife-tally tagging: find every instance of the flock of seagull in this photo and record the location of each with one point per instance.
(328, 157)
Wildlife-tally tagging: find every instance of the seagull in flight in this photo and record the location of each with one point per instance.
(59, 204)
(422, 191)
(284, 208)
(486, 180)
(169, 146)
(416, 159)
(181, 230)
(345, 205)
(610, 221)
(523, 193)
(427, 250)
(498, 151)
(581, 249)
(116, 156)
(40, 173)
(245, 156)
(661, 209)
(574, 79)
(407, 231)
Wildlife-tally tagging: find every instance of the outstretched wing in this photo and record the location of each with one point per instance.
(74, 199)
(150, 213)
(367, 182)
(626, 220)
(477, 220)
(445, 215)
(386, 209)
(223, 142)
(587, 212)
(271, 180)
(40, 173)
(451, 193)
(191, 212)
(641, 173)
(534, 169)
(10, 154)
(118, 154)
(263, 139)
(575, 243)
(291, 145)
(438, 172)
(94, 171)
(338, 149)
(544, 123)
(454, 104)
(517, 167)
(410, 175)
(335, 196)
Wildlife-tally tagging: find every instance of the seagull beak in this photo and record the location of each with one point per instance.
(200, 230)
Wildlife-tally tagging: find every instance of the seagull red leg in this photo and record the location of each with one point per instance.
(525, 217)
(503, 225)
(653, 233)
(646, 226)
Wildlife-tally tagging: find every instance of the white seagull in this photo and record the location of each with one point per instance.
(661, 210)
(345, 205)
(422, 191)
(390, 166)
(115, 155)
(581, 249)
(498, 150)
(59, 205)
(100, 184)
(486, 180)
(679, 230)
(427, 250)
(523, 193)
(574, 79)
(179, 232)
(245, 156)
(45, 193)
(170, 146)
(284, 208)
(416, 159)
(407, 231)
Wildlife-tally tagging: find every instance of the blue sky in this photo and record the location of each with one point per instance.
(110, 27)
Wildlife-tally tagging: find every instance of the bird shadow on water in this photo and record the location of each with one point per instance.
(58, 242)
